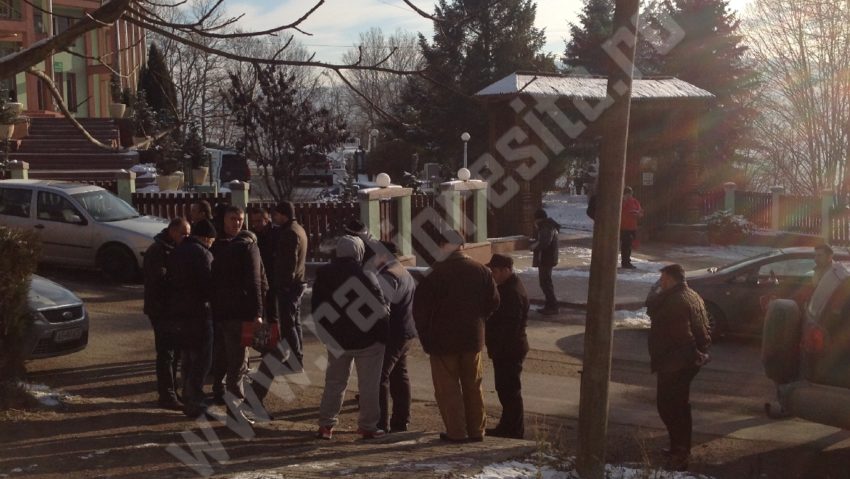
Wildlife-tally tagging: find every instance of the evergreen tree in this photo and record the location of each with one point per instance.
(584, 49)
(475, 43)
(712, 56)
(155, 80)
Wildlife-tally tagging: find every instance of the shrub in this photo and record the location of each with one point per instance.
(19, 251)
(7, 115)
(725, 228)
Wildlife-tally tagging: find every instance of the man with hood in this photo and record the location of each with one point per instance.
(545, 248)
(351, 318)
(239, 289)
(166, 331)
(189, 276)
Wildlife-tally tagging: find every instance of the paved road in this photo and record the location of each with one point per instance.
(728, 394)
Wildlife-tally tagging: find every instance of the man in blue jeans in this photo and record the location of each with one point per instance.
(289, 278)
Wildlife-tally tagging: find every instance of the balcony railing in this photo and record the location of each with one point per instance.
(8, 12)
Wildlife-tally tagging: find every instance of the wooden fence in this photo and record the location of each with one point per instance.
(754, 206)
(839, 220)
(712, 202)
(800, 214)
(172, 205)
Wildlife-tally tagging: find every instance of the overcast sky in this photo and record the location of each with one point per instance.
(336, 25)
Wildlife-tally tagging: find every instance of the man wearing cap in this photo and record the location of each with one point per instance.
(678, 346)
(545, 248)
(189, 275)
(351, 318)
(289, 279)
(449, 309)
(629, 215)
(356, 228)
(507, 345)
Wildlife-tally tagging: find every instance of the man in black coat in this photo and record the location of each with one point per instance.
(678, 346)
(289, 279)
(507, 345)
(239, 289)
(545, 248)
(189, 276)
(166, 331)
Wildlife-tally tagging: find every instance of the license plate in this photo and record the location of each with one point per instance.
(66, 335)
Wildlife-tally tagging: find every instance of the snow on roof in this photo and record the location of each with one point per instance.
(590, 88)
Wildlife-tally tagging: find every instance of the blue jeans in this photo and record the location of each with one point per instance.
(197, 359)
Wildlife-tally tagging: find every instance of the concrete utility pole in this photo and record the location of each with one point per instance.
(596, 369)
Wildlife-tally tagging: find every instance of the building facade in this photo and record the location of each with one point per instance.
(79, 73)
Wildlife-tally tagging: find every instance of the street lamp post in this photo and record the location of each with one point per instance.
(465, 138)
(373, 134)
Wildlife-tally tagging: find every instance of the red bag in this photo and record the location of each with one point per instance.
(262, 337)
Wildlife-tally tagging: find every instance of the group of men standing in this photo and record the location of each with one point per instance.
(204, 285)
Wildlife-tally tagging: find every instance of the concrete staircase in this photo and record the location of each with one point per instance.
(55, 144)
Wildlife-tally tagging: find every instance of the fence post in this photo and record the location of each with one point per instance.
(240, 194)
(729, 200)
(776, 193)
(827, 202)
(19, 170)
(125, 185)
(370, 215)
(403, 229)
(450, 197)
(480, 217)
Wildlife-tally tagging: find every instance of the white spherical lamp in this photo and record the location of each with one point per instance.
(465, 136)
(383, 180)
(463, 174)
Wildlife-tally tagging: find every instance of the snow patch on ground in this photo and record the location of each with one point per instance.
(45, 396)
(258, 475)
(632, 319)
(566, 470)
(570, 211)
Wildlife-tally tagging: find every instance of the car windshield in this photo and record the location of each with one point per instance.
(747, 261)
(103, 206)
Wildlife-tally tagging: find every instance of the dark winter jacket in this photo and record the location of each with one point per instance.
(545, 245)
(505, 329)
(451, 305)
(344, 278)
(290, 256)
(239, 279)
(189, 281)
(154, 268)
(679, 328)
(267, 242)
(398, 287)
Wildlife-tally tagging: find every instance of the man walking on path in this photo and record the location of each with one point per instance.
(545, 248)
(507, 345)
(166, 328)
(289, 279)
(239, 290)
(351, 317)
(398, 288)
(678, 346)
(190, 281)
(628, 227)
(449, 308)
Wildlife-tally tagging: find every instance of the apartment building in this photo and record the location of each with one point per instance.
(78, 73)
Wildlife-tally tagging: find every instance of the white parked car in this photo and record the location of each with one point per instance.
(80, 225)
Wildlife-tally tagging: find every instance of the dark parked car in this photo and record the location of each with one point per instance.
(61, 324)
(736, 295)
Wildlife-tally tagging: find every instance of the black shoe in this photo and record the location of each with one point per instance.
(218, 399)
(629, 266)
(476, 439)
(496, 432)
(445, 437)
(170, 403)
(397, 429)
(548, 311)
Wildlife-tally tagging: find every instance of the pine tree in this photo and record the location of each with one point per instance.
(156, 81)
(475, 43)
(584, 50)
(712, 56)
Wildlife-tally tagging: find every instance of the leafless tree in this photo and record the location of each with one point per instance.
(803, 49)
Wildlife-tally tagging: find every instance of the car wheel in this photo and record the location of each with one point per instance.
(118, 263)
(716, 322)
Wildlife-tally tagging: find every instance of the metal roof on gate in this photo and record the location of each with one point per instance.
(591, 88)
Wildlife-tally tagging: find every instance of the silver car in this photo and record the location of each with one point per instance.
(80, 225)
(61, 323)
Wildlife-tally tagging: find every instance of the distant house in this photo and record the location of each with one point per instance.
(83, 82)
(535, 116)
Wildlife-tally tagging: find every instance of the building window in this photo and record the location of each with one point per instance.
(71, 89)
(59, 82)
(60, 24)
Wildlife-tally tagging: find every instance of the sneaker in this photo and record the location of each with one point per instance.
(325, 432)
(371, 434)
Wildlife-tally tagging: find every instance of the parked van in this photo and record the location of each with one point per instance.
(228, 165)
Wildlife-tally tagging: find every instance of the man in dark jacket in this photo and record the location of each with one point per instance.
(449, 308)
(678, 346)
(398, 288)
(351, 318)
(166, 331)
(507, 345)
(190, 281)
(545, 248)
(267, 234)
(239, 288)
(289, 279)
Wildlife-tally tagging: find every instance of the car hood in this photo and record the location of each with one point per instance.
(44, 294)
(148, 226)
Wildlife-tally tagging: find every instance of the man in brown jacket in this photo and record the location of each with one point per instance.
(678, 346)
(289, 283)
(449, 309)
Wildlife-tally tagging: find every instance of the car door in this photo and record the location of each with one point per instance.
(16, 207)
(788, 278)
(64, 230)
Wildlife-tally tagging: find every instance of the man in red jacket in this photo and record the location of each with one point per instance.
(628, 227)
